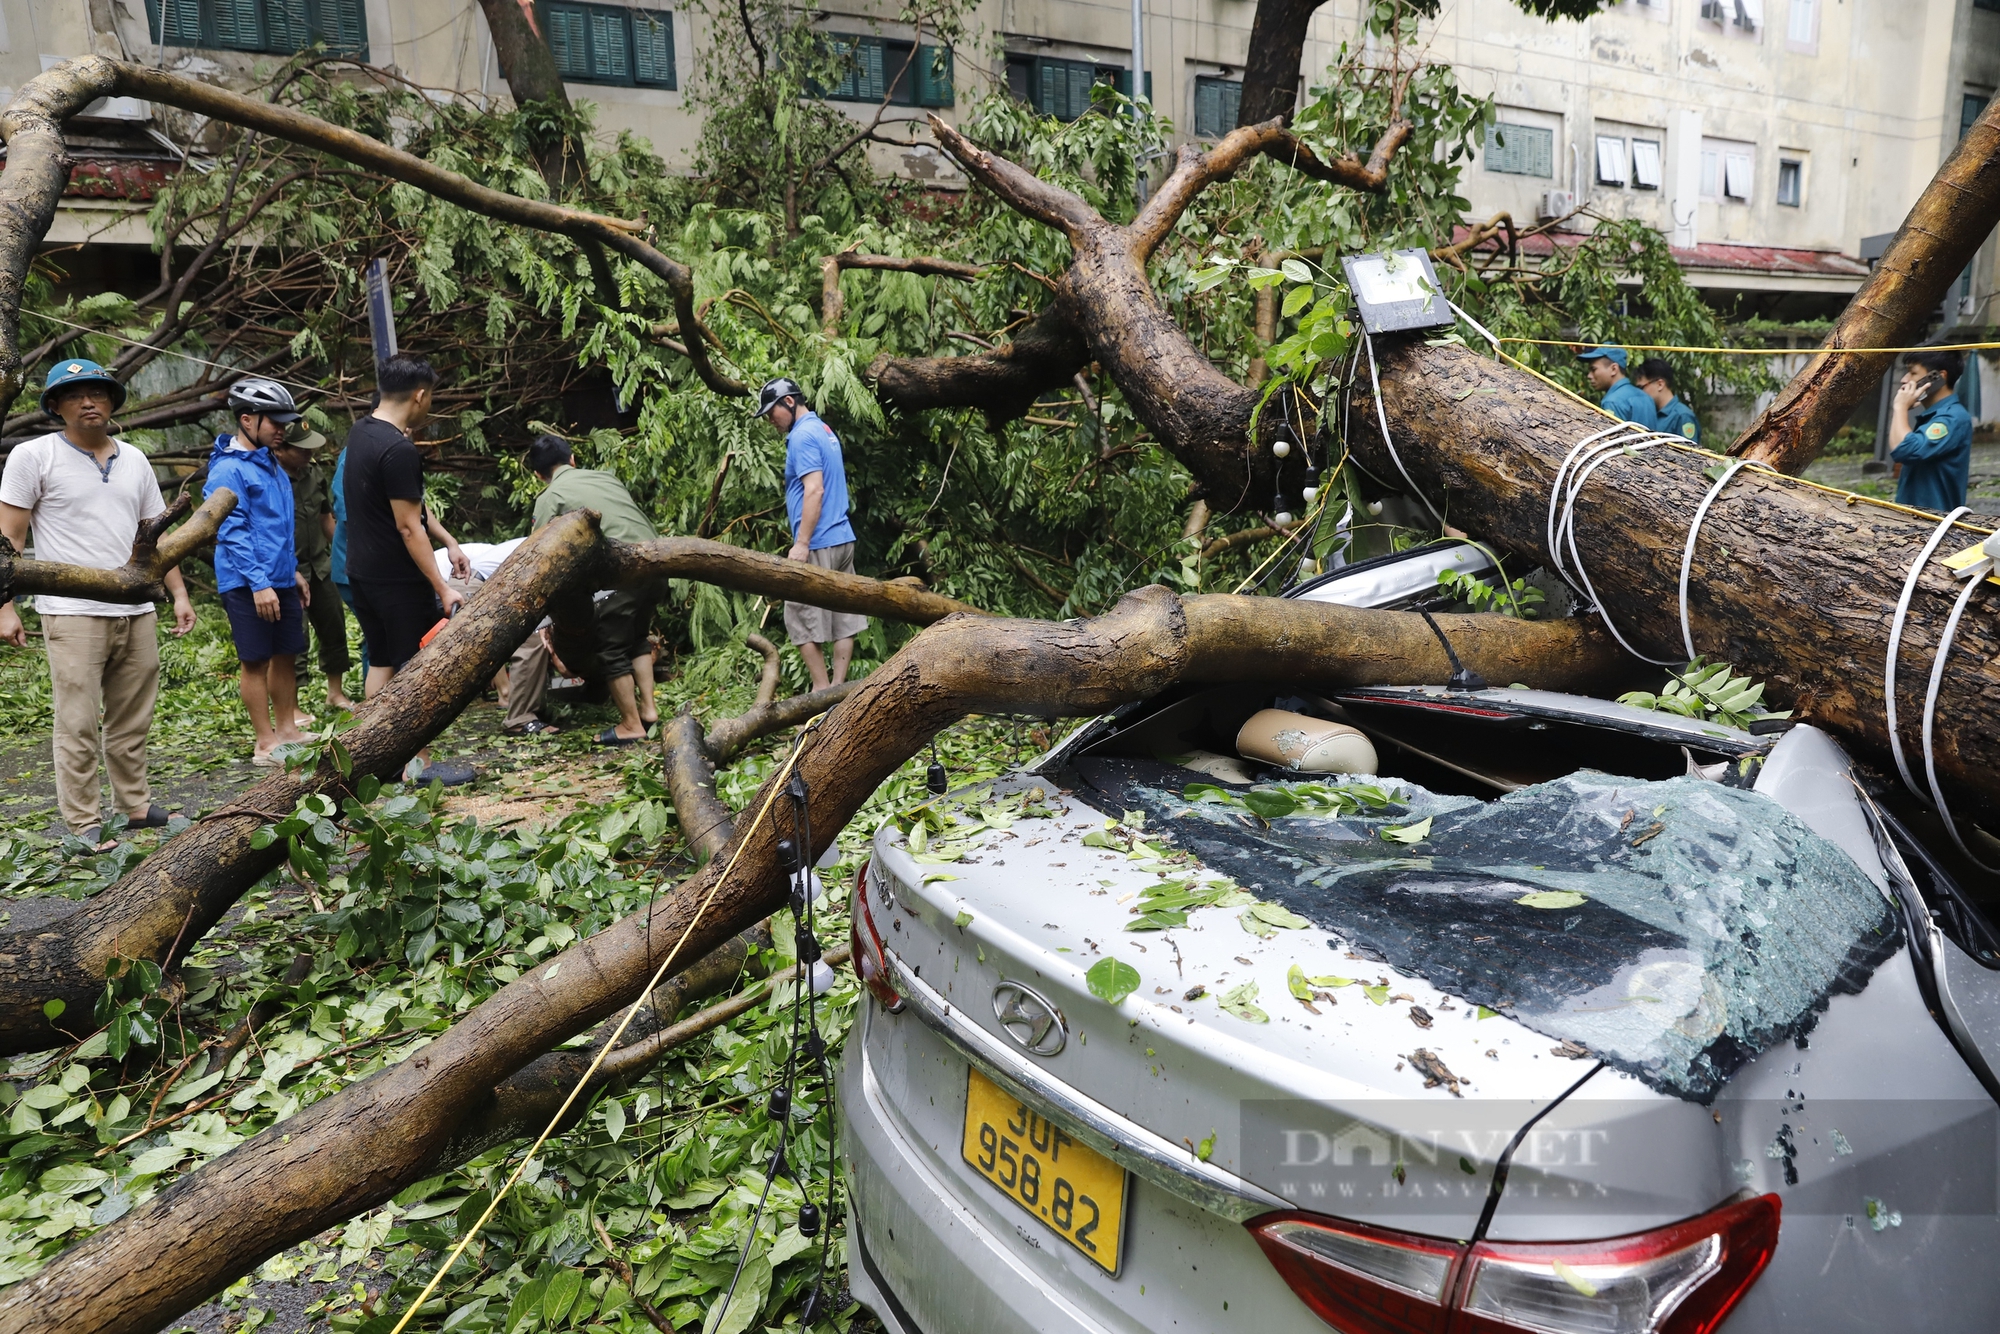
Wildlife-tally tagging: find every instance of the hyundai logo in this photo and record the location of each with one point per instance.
(1029, 1019)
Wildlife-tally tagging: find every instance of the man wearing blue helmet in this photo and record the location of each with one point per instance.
(1605, 367)
(84, 493)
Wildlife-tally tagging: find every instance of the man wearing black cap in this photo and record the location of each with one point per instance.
(85, 493)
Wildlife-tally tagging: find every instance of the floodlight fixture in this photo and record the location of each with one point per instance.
(1397, 291)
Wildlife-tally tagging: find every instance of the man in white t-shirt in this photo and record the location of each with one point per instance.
(84, 493)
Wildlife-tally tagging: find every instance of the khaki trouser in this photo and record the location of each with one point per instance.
(527, 681)
(108, 668)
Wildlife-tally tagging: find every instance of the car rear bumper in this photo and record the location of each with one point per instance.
(923, 1263)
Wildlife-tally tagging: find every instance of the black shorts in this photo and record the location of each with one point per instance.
(259, 640)
(394, 619)
(624, 623)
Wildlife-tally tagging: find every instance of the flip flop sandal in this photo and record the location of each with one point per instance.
(609, 737)
(534, 728)
(156, 817)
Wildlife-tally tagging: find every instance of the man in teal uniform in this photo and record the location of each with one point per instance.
(1656, 379)
(1605, 367)
(1933, 431)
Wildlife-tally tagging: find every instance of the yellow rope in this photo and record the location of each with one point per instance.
(777, 786)
(1756, 351)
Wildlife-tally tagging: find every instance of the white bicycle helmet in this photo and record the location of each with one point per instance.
(257, 395)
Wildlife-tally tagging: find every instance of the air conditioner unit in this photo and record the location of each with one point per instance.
(1556, 204)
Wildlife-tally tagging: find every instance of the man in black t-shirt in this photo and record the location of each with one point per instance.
(398, 592)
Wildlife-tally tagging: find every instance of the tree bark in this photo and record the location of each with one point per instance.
(154, 552)
(832, 303)
(1792, 585)
(1951, 219)
(355, 1149)
(1277, 50)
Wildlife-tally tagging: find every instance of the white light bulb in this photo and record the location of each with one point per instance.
(1311, 494)
(1282, 518)
(823, 978)
(1375, 507)
(1281, 447)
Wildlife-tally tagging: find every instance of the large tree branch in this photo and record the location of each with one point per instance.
(1276, 51)
(38, 167)
(355, 1149)
(138, 579)
(1019, 188)
(1196, 170)
(1951, 220)
(1044, 356)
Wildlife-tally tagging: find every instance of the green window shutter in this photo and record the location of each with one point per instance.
(933, 76)
(1207, 107)
(1081, 76)
(653, 48)
(1049, 90)
(1232, 104)
(568, 29)
(872, 78)
(288, 27)
(610, 46)
(342, 25)
(238, 25)
(176, 22)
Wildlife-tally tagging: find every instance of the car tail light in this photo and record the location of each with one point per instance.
(1680, 1279)
(1361, 1279)
(871, 959)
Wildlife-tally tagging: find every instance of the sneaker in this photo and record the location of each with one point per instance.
(439, 771)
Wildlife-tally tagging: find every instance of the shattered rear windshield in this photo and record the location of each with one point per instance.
(1676, 929)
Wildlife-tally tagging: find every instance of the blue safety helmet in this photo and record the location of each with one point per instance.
(66, 373)
(1616, 355)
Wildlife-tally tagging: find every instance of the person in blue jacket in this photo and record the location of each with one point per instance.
(256, 564)
(1933, 433)
(1605, 367)
(1655, 378)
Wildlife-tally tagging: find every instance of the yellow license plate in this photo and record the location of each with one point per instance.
(1075, 1190)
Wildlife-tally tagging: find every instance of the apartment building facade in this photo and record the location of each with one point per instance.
(1767, 138)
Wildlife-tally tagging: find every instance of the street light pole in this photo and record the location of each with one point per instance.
(1138, 89)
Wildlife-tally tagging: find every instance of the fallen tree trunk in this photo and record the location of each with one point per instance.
(1794, 585)
(184, 888)
(1951, 220)
(357, 1148)
(154, 552)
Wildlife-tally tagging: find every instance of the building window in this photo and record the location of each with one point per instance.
(1791, 182)
(1802, 23)
(1611, 161)
(611, 44)
(1216, 103)
(1971, 107)
(1061, 88)
(1727, 171)
(1645, 164)
(1736, 18)
(1986, 4)
(1521, 150)
(268, 27)
(882, 68)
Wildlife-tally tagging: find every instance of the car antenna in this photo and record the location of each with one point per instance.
(1462, 677)
(935, 781)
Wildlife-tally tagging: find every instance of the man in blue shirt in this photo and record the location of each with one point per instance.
(816, 504)
(256, 567)
(1655, 379)
(1933, 431)
(1605, 367)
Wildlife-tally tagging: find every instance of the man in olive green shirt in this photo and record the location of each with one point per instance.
(312, 542)
(624, 618)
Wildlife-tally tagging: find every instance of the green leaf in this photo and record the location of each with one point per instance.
(963, 919)
(1583, 1285)
(1378, 994)
(1413, 833)
(1551, 898)
(614, 1119)
(1465, 1166)
(1331, 981)
(1296, 300)
(1242, 1002)
(52, 1010)
(1256, 925)
(1270, 803)
(1484, 1013)
(1279, 915)
(1206, 1147)
(1111, 980)
(1296, 270)
(564, 1285)
(1295, 981)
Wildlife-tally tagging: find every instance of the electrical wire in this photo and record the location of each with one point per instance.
(1974, 575)
(605, 1049)
(1687, 553)
(1896, 644)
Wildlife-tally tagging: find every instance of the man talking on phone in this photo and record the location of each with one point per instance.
(1933, 431)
